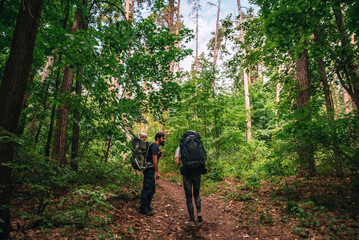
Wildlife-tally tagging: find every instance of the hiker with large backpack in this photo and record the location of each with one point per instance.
(191, 156)
(151, 173)
(143, 136)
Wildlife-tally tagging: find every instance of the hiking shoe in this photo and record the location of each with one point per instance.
(200, 218)
(150, 209)
(148, 213)
(191, 223)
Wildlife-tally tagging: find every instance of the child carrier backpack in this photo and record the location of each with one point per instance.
(139, 154)
(193, 155)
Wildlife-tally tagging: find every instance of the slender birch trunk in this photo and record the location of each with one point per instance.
(215, 50)
(177, 31)
(245, 75)
(196, 64)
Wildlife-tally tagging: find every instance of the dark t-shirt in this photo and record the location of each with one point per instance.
(154, 150)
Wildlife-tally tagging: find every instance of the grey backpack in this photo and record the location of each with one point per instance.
(139, 154)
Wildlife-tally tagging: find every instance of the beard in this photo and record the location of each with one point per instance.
(162, 143)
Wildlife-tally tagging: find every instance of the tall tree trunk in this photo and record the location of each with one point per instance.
(277, 98)
(53, 112)
(245, 76)
(196, 60)
(216, 132)
(47, 69)
(306, 152)
(50, 131)
(127, 9)
(22, 121)
(354, 105)
(108, 148)
(59, 150)
(171, 12)
(57, 83)
(330, 112)
(346, 99)
(12, 90)
(170, 20)
(215, 50)
(327, 95)
(132, 9)
(347, 58)
(329, 106)
(34, 122)
(76, 126)
(177, 31)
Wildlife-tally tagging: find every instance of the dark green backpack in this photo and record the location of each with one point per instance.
(139, 154)
(193, 155)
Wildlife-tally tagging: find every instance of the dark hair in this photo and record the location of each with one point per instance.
(159, 135)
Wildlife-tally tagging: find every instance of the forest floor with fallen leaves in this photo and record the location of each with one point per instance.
(281, 208)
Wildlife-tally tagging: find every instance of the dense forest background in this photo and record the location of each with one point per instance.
(275, 96)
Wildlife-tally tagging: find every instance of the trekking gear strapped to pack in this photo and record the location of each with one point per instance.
(193, 155)
(140, 150)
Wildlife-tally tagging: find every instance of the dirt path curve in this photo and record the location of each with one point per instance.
(219, 222)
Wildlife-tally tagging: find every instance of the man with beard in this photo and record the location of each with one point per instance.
(149, 175)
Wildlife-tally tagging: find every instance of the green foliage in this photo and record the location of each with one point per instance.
(85, 207)
(83, 194)
(123, 66)
(239, 196)
(266, 218)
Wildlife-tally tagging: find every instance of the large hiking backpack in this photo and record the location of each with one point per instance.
(139, 154)
(193, 155)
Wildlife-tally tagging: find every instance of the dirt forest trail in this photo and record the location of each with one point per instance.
(235, 212)
(171, 214)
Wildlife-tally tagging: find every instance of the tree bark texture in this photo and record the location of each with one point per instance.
(245, 80)
(215, 51)
(22, 121)
(277, 98)
(306, 153)
(76, 128)
(59, 150)
(196, 61)
(329, 106)
(53, 112)
(12, 90)
(303, 85)
(127, 9)
(177, 31)
(347, 59)
(346, 99)
(171, 13)
(132, 9)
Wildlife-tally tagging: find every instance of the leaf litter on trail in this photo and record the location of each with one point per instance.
(227, 218)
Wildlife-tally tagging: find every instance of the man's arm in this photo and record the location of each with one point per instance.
(178, 157)
(155, 165)
(178, 161)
